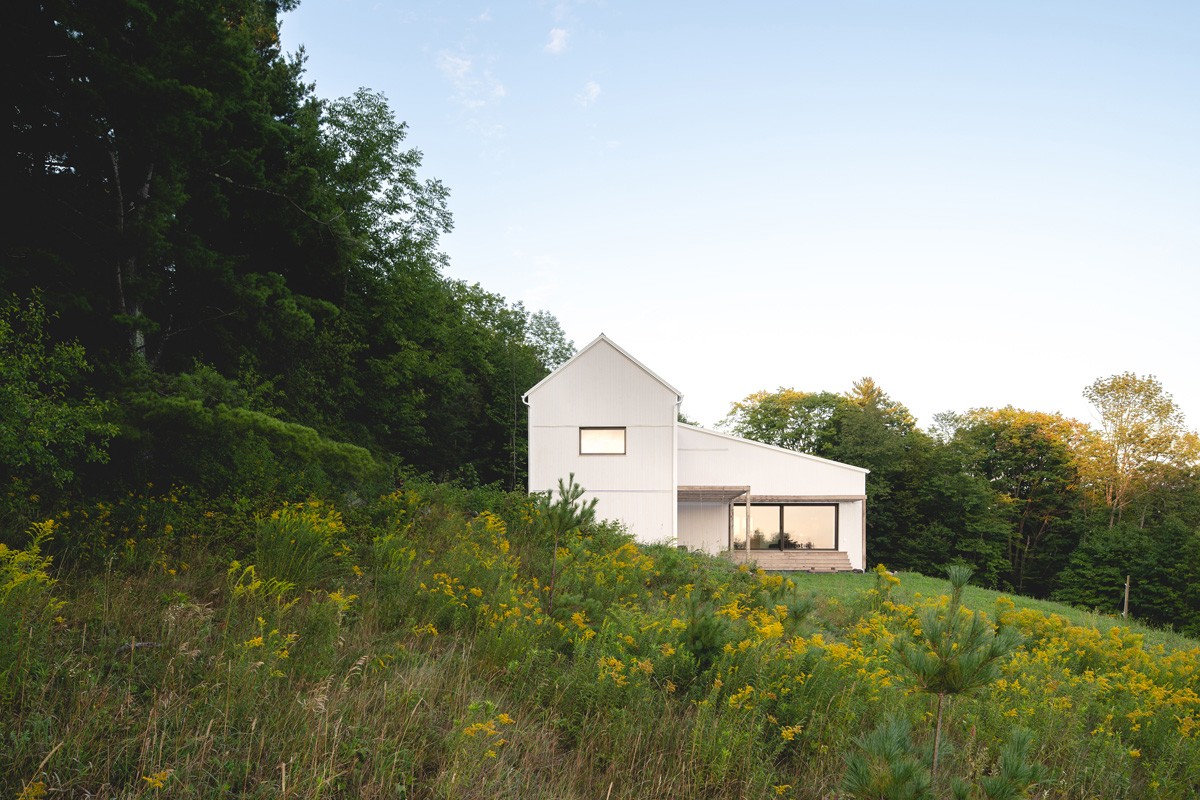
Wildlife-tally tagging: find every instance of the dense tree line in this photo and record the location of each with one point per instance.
(1035, 502)
(253, 271)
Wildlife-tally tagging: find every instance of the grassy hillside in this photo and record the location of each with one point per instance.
(412, 647)
(913, 587)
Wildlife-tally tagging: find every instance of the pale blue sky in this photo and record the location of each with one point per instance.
(974, 203)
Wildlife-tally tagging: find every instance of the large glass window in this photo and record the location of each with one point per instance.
(810, 527)
(780, 526)
(602, 441)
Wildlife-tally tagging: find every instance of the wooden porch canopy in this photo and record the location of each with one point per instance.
(711, 494)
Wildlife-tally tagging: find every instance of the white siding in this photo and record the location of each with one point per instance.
(712, 459)
(850, 542)
(604, 387)
(704, 526)
(648, 515)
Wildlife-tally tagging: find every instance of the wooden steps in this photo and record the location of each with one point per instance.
(794, 560)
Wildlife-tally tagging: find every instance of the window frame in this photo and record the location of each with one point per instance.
(624, 439)
(736, 508)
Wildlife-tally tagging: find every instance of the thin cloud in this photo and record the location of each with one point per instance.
(589, 95)
(473, 88)
(453, 67)
(488, 130)
(558, 41)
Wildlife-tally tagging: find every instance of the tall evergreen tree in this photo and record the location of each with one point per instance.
(183, 198)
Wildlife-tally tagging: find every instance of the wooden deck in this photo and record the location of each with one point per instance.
(794, 560)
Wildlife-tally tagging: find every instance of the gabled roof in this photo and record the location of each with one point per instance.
(796, 453)
(619, 349)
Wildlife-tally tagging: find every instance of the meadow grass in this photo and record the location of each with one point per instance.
(847, 586)
(407, 649)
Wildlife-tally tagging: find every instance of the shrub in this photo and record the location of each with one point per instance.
(45, 433)
(27, 609)
(187, 432)
(301, 543)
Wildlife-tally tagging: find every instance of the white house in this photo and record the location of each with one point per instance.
(610, 420)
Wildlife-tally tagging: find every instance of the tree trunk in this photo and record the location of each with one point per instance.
(127, 265)
(937, 740)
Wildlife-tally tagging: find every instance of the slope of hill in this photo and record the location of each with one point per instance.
(432, 643)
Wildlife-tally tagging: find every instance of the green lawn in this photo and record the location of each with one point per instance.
(846, 587)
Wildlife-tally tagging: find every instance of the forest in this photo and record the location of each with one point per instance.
(214, 278)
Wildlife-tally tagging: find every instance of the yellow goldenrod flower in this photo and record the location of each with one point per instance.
(158, 779)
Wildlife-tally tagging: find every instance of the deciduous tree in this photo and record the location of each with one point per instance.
(1030, 459)
(49, 424)
(804, 421)
(1143, 443)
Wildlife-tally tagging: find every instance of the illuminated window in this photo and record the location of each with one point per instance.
(776, 526)
(602, 441)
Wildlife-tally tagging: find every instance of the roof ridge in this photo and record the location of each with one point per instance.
(604, 338)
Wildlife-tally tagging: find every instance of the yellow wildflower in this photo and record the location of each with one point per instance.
(158, 779)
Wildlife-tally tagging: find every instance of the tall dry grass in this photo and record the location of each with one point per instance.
(411, 653)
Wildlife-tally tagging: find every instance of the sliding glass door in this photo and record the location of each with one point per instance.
(786, 526)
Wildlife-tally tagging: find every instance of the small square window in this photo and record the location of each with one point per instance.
(602, 441)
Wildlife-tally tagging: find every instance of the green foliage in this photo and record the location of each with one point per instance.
(1162, 562)
(1144, 442)
(1016, 776)
(706, 633)
(788, 418)
(181, 196)
(560, 515)
(956, 651)
(28, 609)
(1095, 575)
(957, 518)
(1032, 462)
(425, 654)
(885, 766)
(302, 544)
(566, 510)
(48, 427)
(187, 431)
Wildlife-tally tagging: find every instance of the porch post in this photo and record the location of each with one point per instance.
(729, 528)
(866, 564)
(747, 524)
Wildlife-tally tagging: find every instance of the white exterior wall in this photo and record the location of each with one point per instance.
(603, 387)
(704, 526)
(707, 458)
(852, 533)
